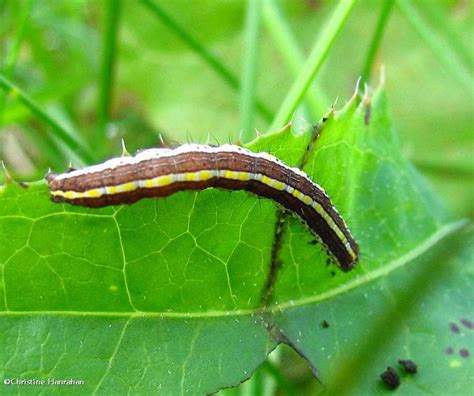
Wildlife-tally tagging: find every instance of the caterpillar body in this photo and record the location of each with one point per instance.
(160, 172)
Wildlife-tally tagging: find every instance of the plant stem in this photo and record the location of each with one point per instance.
(252, 33)
(292, 54)
(313, 63)
(442, 167)
(46, 146)
(222, 70)
(12, 55)
(376, 39)
(56, 129)
(109, 49)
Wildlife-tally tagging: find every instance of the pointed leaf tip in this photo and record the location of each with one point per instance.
(8, 178)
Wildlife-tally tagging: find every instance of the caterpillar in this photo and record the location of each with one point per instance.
(160, 172)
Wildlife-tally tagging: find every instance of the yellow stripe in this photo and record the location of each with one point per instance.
(231, 175)
(266, 180)
(69, 194)
(127, 187)
(191, 176)
(206, 174)
(159, 181)
(150, 183)
(278, 185)
(334, 227)
(307, 200)
(165, 180)
(298, 194)
(244, 176)
(111, 190)
(95, 193)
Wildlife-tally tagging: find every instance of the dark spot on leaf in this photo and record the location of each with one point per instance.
(368, 112)
(449, 351)
(325, 119)
(409, 366)
(328, 261)
(390, 378)
(23, 185)
(468, 323)
(313, 242)
(464, 353)
(314, 4)
(333, 273)
(454, 327)
(324, 324)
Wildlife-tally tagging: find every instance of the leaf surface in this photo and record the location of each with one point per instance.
(166, 294)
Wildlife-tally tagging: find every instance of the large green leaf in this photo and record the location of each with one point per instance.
(419, 308)
(167, 294)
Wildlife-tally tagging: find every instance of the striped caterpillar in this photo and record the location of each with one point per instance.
(160, 172)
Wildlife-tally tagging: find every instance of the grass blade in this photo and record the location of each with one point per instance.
(454, 169)
(12, 55)
(434, 13)
(252, 33)
(292, 54)
(441, 49)
(109, 49)
(57, 130)
(313, 63)
(222, 70)
(46, 146)
(376, 39)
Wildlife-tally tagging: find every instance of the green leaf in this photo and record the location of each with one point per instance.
(166, 295)
(389, 209)
(419, 310)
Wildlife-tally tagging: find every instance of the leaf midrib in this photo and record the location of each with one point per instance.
(393, 265)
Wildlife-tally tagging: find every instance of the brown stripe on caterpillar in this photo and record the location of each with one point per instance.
(162, 172)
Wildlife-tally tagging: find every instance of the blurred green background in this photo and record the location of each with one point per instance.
(141, 80)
